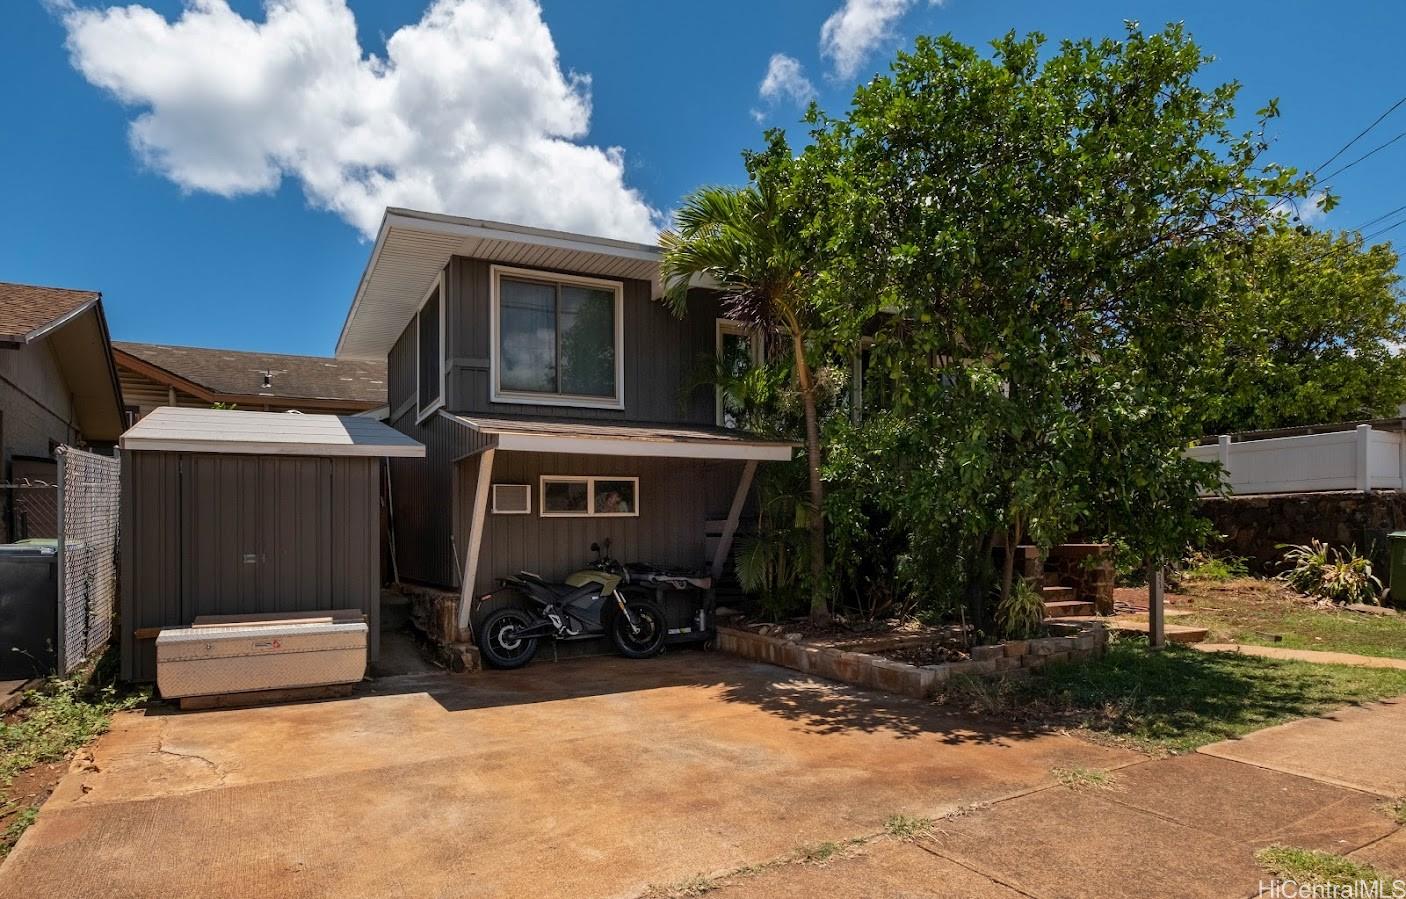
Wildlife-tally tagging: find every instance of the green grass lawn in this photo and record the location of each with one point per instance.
(1177, 699)
(1257, 611)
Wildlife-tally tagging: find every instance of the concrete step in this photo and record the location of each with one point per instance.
(1065, 608)
(1127, 626)
(1056, 594)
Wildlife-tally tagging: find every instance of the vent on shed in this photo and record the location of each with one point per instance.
(512, 499)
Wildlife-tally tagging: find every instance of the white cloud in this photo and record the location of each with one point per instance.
(468, 112)
(785, 79)
(1306, 211)
(854, 30)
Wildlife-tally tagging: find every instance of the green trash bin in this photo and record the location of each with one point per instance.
(1396, 575)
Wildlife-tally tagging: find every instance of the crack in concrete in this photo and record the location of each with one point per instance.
(215, 768)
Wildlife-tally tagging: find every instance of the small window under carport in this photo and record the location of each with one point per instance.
(227, 512)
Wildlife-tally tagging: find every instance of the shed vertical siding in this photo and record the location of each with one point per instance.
(207, 534)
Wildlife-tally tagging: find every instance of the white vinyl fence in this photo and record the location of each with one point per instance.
(1362, 459)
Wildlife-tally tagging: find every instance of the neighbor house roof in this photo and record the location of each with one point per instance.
(28, 311)
(175, 429)
(72, 323)
(218, 375)
(625, 440)
(413, 247)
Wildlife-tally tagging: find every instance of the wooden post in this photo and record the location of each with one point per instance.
(479, 513)
(1156, 627)
(1364, 458)
(733, 514)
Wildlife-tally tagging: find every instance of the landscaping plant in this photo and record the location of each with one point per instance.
(1020, 615)
(1331, 574)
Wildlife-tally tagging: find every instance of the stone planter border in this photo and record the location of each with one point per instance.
(921, 682)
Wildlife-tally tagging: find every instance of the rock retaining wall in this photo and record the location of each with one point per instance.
(435, 613)
(1255, 526)
(873, 671)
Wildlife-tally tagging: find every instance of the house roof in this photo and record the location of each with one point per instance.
(413, 247)
(72, 324)
(236, 373)
(626, 440)
(179, 429)
(28, 311)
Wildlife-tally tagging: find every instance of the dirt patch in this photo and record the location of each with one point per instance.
(930, 654)
(21, 798)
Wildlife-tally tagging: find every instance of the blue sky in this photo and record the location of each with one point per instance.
(675, 86)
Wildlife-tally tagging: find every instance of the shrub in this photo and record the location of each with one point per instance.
(1021, 615)
(1331, 574)
(1203, 566)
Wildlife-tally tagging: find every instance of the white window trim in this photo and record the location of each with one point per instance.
(590, 482)
(527, 511)
(721, 327)
(498, 395)
(426, 412)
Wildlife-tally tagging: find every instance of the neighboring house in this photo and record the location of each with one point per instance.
(58, 385)
(156, 375)
(551, 392)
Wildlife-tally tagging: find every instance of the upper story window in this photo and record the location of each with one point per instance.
(557, 339)
(429, 359)
(738, 351)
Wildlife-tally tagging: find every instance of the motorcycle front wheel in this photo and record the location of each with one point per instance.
(499, 643)
(646, 637)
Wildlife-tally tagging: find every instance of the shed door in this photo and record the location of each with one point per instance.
(258, 534)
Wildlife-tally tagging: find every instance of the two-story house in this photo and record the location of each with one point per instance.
(551, 391)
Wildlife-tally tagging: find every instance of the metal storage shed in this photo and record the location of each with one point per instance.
(235, 513)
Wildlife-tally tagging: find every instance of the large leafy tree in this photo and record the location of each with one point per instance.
(1033, 240)
(1312, 326)
(749, 242)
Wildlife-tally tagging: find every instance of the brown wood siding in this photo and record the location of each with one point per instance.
(661, 354)
(211, 533)
(676, 498)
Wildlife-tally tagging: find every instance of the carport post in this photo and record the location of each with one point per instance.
(480, 512)
(733, 514)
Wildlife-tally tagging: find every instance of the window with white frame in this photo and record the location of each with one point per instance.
(557, 339)
(738, 350)
(584, 496)
(429, 361)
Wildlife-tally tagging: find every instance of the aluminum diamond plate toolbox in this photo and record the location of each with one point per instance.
(208, 661)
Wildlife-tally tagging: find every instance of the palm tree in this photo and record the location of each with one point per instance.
(744, 241)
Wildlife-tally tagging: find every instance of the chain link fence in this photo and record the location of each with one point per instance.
(89, 488)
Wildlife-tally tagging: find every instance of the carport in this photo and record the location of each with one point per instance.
(241, 513)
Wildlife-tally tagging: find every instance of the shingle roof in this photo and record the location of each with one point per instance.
(25, 308)
(240, 373)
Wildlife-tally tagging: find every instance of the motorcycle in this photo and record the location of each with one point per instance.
(589, 603)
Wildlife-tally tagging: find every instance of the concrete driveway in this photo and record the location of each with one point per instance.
(595, 777)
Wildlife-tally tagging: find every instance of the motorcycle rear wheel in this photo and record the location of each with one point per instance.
(497, 642)
(649, 640)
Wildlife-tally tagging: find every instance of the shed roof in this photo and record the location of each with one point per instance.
(174, 429)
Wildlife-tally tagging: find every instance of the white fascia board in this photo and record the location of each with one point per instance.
(673, 449)
(273, 448)
(561, 240)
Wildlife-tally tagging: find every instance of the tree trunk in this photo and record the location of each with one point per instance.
(1013, 535)
(819, 604)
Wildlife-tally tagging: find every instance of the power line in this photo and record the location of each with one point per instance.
(1380, 231)
(1361, 134)
(1338, 171)
(1384, 215)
